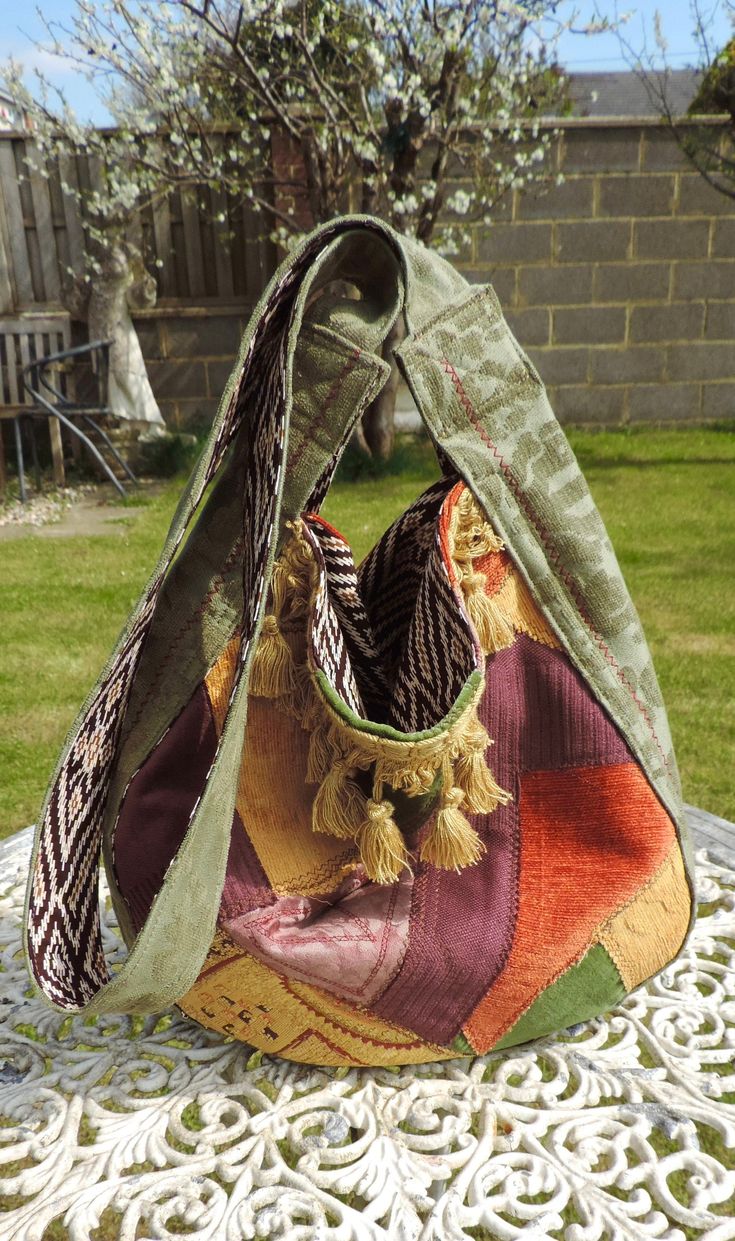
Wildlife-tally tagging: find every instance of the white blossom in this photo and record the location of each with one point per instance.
(353, 92)
(460, 202)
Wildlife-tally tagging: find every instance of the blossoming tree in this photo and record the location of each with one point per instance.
(425, 112)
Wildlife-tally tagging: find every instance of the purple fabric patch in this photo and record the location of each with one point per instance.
(155, 814)
(246, 883)
(460, 930)
(541, 716)
(561, 724)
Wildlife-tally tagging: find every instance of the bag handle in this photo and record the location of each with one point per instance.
(62, 925)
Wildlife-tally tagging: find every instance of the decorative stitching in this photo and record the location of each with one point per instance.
(294, 885)
(669, 860)
(318, 979)
(358, 1010)
(508, 1025)
(554, 555)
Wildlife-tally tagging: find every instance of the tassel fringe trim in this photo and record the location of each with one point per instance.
(337, 751)
(510, 610)
(452, 842)
(380, 842)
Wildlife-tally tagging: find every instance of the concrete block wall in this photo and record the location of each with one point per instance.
(189, 353)
(619, 282)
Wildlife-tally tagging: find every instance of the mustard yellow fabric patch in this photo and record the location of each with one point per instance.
(514, 603)
(647, 933)
(293, 1018)
(273, 798)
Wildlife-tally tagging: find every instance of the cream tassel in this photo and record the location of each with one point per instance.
(452, 842)
(322, 753)
(312, 712)
(473, 776)
(339, 806)
(473, 534)
(272, 669)
(494, 629)
(382, 848)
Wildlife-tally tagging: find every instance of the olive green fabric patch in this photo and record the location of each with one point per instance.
(585, 990)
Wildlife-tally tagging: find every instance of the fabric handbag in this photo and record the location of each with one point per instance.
(405, 811)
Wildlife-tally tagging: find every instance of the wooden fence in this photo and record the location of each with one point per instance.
(620, 280)
(210, 256)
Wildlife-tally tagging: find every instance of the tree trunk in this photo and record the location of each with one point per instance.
(378, 421)
(108, 316)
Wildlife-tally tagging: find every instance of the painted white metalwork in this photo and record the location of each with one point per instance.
(622, 1129)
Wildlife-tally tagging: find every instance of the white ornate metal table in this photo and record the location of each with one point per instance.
(622, 1128)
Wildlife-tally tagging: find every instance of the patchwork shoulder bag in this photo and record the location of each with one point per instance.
(399, 812)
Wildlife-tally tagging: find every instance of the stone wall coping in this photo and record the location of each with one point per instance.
(625, 122)
(166, 308)
(543, 122)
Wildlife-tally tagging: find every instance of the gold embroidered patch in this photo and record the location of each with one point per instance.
(292, 1018)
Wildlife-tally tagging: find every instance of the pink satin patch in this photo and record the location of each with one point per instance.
(351, 945)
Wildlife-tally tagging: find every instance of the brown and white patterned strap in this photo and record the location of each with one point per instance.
(435, 652)
(439, 652)
(392, 570)
(64, 945)
(351, 617)
(330, 650)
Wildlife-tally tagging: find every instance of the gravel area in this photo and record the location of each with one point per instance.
(85, 509)
(45, 508)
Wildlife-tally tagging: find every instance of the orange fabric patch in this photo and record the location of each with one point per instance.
(590, 838)
(445, 514)
(294, 1019)
(496, 566)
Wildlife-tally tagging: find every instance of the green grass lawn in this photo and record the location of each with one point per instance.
(666, 496)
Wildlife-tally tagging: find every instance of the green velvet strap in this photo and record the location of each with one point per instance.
(167, 955)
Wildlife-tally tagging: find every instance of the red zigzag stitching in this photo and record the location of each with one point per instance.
(554, 555)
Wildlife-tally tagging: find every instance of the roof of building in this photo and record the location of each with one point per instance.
(626, 94)
(12, 114)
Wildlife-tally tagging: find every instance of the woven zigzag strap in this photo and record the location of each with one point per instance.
(63, 939)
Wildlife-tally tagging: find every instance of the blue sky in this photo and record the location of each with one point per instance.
(577, 52)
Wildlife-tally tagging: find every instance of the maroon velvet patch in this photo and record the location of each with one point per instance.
(556, 720)
(246, 883)
(155, 814)
(157, 806)
(541, 716)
